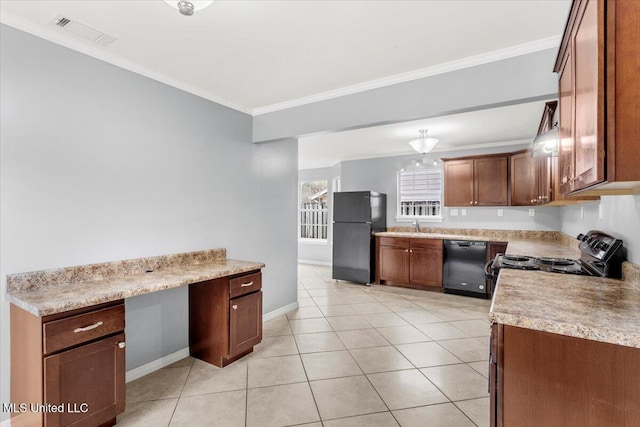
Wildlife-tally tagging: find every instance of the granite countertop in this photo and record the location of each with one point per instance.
(56, 291)
(594, 308)
(537, 244)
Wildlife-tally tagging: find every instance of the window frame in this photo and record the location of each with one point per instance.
(311, 240)
(421, 218)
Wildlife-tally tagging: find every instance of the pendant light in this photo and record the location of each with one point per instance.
(424, 144)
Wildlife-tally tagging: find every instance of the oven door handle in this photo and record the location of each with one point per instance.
(489, 275)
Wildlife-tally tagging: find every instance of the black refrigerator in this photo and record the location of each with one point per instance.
(357, 215)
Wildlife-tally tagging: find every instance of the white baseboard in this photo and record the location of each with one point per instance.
(279, 312)
(314, 262)
(154, 365)
(167, 360)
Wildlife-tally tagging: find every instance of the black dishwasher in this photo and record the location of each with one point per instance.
(463, 268)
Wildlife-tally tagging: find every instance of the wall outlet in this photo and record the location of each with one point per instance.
(453, 212)
(532, 212)
(500, 212)
(463, 212)
(600, 211)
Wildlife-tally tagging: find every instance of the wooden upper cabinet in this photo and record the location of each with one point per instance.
(589, 100)
(458, 182)
(476, 181)
(599, 83)
(524, 179)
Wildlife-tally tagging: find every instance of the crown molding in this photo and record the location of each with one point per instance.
(52, 35)
(471, 61)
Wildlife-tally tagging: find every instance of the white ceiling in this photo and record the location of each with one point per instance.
(258, 56)
(495, 127)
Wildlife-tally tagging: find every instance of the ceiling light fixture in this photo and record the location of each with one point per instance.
(546, 144)
(188, 8)
(423, 144)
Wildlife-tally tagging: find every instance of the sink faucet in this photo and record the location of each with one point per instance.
(416, 224)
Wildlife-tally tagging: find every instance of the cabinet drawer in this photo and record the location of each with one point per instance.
(74, 330)
(426, 243)
(245, 284)
(397, 242)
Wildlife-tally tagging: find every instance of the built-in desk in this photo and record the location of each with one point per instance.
(68, 329)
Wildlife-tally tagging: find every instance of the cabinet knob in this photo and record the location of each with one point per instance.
(476, 202)
(121, 344)
(234, 306)
(471, 202)
(406, 250)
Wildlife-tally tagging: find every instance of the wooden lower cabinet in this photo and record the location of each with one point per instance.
(393, 259)
(225, 318)
(414, 263)
(73, 361)
(245, 323)
(543, 379)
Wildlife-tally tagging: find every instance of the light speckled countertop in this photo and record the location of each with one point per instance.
(606, 310)
(520, 243)
(594, 308)
(62, 293)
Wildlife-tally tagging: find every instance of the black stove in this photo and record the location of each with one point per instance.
(601, 255)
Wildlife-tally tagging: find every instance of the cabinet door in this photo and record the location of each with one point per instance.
(543, 169)
(524, 179)
(458, 182)
(425, 267)
(92, 374)
(589, 99)
(394, 264)
(566, 154)
(490, 178)
(245, 323)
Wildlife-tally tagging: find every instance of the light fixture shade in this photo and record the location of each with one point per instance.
(423, 144)
(188, 7)
(546, 144)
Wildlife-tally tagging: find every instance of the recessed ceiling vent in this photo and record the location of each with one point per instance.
(81, 30)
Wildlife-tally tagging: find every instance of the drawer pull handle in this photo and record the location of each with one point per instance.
(234, 306)
(244, 285)
(121, 344)
(88, 328)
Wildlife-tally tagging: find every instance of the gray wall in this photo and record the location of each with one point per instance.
(620, 217)
(99, 164)
(515, 80)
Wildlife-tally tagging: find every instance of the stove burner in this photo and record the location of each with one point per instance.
(556, 262)
(573, 269)
(516, 258)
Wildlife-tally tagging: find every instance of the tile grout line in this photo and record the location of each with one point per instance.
(306, 376)
(181, 390)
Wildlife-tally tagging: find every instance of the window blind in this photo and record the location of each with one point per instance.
(421, 186)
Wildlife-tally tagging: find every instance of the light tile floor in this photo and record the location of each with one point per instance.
(351, 355)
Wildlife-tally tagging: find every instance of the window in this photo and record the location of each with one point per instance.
(314, 212)
(420, 194)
